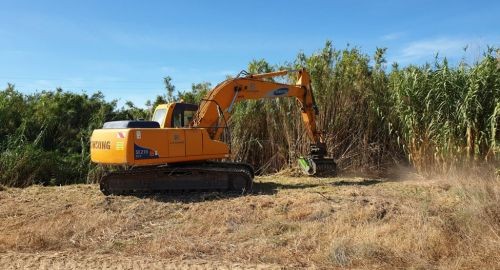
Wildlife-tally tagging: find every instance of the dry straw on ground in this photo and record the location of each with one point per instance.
(410, 222)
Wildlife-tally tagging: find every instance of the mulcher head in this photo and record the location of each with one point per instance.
(316, 164)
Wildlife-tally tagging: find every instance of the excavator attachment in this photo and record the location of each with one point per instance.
(316, 164)
(307, 165)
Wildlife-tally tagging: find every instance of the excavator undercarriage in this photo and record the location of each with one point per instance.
(179, 178)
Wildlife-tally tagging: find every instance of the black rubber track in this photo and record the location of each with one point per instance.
(180, 178)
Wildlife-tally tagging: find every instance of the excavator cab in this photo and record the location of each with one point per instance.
(174, 115)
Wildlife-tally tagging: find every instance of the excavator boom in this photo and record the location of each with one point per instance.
(216, 108)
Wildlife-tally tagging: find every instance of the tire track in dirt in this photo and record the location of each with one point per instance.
(70, 261)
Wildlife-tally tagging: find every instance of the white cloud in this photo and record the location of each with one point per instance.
(444, 46)
(452, 48)
(393, 36)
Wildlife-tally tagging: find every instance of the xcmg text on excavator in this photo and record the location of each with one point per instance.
(181, 148)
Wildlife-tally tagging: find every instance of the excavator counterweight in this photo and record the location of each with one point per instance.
(176, 151)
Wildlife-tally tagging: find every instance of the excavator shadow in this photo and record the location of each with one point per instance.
(364, 182)
(192, 197)
(269, 188)
(273, 187)
(259, 188)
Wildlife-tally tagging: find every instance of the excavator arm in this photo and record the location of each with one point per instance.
(216, 108)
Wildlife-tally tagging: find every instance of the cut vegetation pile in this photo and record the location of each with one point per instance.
(451, 222)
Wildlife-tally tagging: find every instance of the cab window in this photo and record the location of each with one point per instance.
(177, 120)
(188, 117)
(183, 114)
(159, 116)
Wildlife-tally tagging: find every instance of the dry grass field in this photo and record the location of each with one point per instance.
(345, 222)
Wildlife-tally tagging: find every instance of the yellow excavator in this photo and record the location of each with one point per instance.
(181, 148)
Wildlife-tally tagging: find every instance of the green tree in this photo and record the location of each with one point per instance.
(196, 94)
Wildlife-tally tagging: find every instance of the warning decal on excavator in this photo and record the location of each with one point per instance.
(144, 153)
(120, 146)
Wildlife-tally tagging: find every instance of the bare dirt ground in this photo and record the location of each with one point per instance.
(344, 222)
(72, 260)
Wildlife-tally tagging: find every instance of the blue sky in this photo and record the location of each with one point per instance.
(125, 48)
